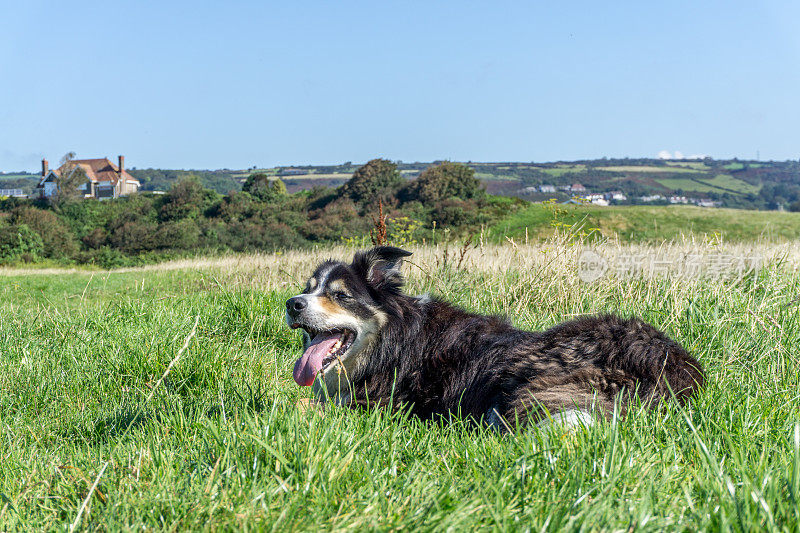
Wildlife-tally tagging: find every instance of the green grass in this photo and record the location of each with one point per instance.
(728, 182)
(563, 169)
(221, 444)
(644, 168)
(719, 183)
(652, 224)
(18, 176)
(687, 184)
(696, 165)
(490, 177)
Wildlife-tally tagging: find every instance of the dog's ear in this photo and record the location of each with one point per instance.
(380, 266)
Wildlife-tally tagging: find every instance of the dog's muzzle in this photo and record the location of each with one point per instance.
(295, 306)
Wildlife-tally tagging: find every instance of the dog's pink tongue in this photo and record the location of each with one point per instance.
(306, 368)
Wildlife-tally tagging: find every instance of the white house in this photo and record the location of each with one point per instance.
(616, 195)
(596, 199)
(653, 198)
(705, 202)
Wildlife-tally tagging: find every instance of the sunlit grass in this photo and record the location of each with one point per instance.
(223, 445)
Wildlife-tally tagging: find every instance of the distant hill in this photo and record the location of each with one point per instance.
(19, 180)
(727, 183)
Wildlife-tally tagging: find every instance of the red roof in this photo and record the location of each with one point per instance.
(100, 170)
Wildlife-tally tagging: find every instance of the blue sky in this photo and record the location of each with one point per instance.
(212, 85)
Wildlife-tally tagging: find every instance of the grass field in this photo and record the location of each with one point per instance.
(651, 224)
(697, 165)
(643, 168)
(493, 177)
(739, 166)
(18, 176)
(563, 169)
(719, 183)
(343, 177)
(219, 443)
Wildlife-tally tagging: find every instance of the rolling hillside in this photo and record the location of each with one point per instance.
(728, 183)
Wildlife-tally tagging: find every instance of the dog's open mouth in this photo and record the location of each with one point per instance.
(325, 348)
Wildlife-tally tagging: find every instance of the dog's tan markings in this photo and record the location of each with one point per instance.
(311, 284)
(337, 286)
(327, 305)
(380, 316)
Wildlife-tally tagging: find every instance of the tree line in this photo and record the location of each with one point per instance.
(191, 218)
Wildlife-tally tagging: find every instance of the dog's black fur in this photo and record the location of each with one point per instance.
(437, 359)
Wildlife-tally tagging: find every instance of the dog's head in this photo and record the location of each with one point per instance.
(341, 312)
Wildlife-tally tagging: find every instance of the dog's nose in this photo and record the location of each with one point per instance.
(295, 305)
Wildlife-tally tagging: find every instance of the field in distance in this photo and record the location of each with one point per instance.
(221, 443)
(764, 185)
(649, 224)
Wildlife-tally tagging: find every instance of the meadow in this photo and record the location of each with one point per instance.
(648, 224)
(719, 183)
(161, 398)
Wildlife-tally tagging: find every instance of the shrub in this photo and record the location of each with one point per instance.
(378, 178)
(338, 220)
(95, 238)
(182, 234)
(455, 212)
(443, 181)
(261, 187)
(237, 206)
(108, 258)
(253, 234)
(134, 237)
(84, 216)
(19, 242)
(58, 241)
(187, 199)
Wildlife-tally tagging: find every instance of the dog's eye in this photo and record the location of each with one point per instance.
(343, 296)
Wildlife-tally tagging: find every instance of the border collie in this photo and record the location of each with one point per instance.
(368, 343)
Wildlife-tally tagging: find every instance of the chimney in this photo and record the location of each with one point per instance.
(44, 167)
(121, 164)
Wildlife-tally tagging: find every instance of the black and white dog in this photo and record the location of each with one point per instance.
(366, 342)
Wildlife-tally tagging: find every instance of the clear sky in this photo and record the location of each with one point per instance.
(177, 84)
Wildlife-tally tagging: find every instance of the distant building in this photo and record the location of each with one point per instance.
(104, 179)
(705, 202)
(678, 200)
(577, 187)
(547, 188)
(13, 193)
(617, 196)
(652, 198)
(596, 199)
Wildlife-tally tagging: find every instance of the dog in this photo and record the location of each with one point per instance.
(366, 343)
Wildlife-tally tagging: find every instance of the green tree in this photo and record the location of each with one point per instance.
(260, 186)
(379, 178)
(19, 242)
(187, 199)
(443, 181)
(70, 176)
(58, 240)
